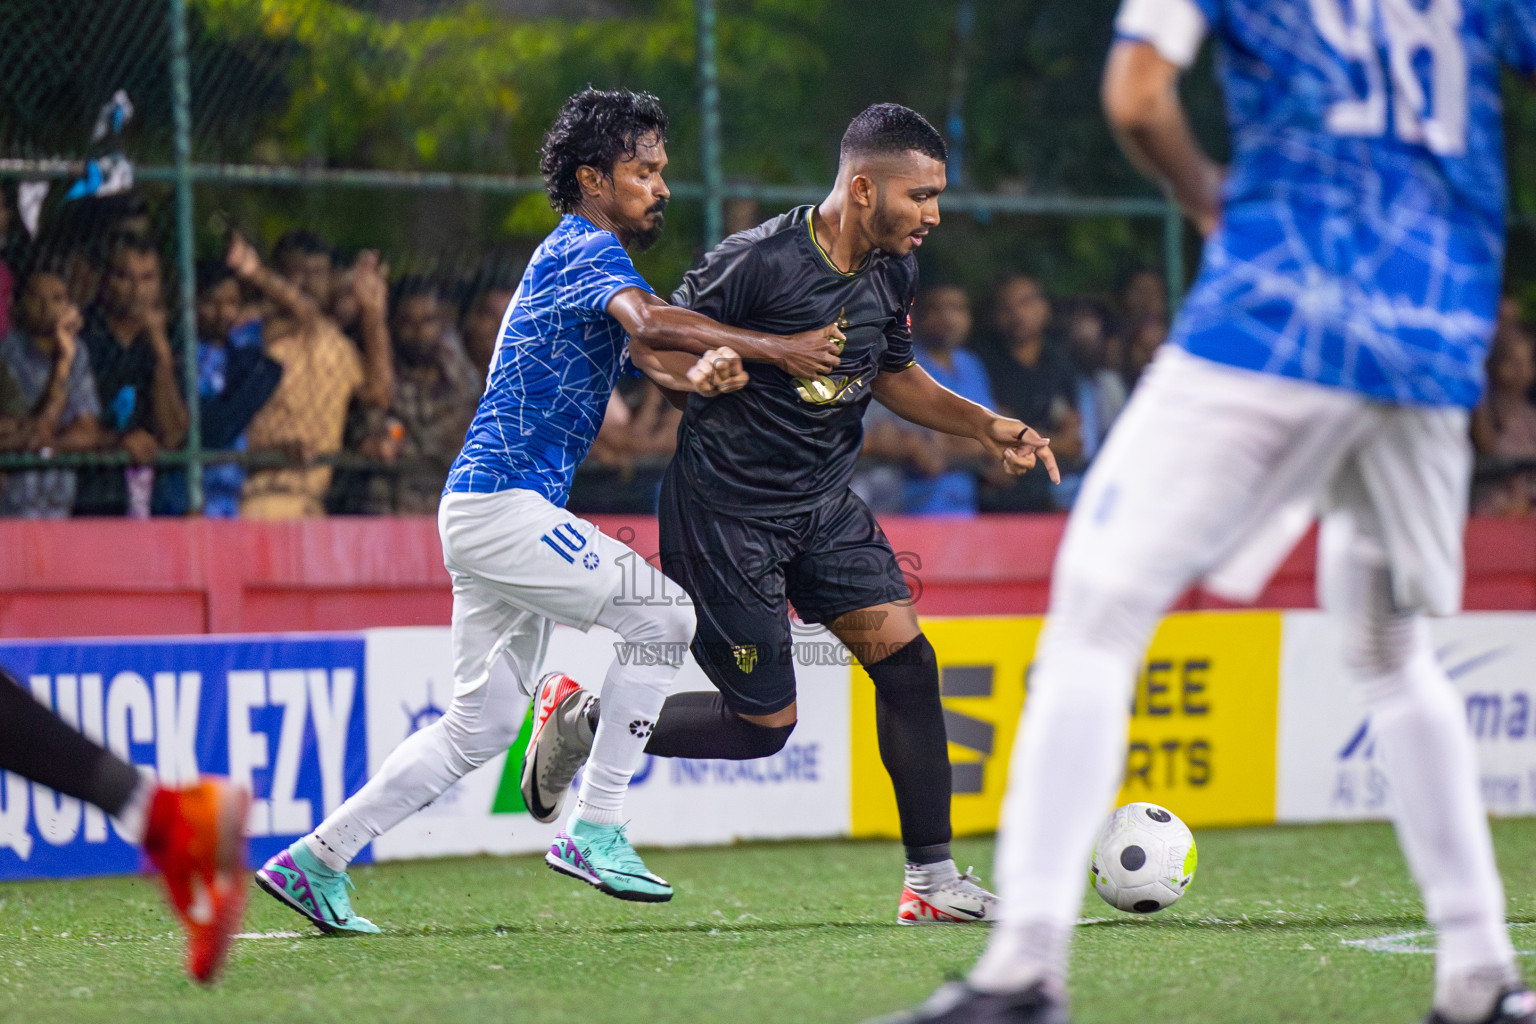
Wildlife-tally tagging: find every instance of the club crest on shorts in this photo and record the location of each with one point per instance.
(746, 657)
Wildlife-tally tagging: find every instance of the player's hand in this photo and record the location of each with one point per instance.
(717, 372)
(242, 258)
(1204, 207)
(811, 353)
(1020, 447)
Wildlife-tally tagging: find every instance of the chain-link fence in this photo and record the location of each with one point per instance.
(290, 227)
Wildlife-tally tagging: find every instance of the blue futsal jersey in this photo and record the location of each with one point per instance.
(1362, 234)
(554, 368)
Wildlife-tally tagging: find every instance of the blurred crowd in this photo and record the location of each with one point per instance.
(1064, 366)
(322, 387)
(325, 387)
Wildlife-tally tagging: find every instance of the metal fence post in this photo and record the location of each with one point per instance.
(1173, 256)
(186, 263)
(709, 124)
(954, 121)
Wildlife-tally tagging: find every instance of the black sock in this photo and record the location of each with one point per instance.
(698, 724)
(37, 744)
(909, 722)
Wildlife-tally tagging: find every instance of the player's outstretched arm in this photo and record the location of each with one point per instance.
(916, 397)
(1141, 102)
(660, 326)
(714, 373)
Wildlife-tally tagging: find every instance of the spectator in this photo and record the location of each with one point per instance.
(8, 231)
(893, 450)
(305, 259)
(356, 296)
(234, 378)
(1143, 293)
(136, 382)
(1095, 357)
(436, 391)
(81, 265)
(1141, 344)
(941, 326)
(81, 232)
(1511, 312)
(623, 472)
(51, 403)
(480, 326)
(1032, 382)
(1504, 424)
(322, 372)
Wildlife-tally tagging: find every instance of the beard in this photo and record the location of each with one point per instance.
(885, 226)
(643, 240)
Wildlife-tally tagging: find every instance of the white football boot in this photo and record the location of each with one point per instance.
(559, 746)
(938, 894)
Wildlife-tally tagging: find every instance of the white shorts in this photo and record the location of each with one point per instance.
(1214, 472)
(519, 565)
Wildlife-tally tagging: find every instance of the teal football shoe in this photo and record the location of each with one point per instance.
(297, 879)
(601, 856)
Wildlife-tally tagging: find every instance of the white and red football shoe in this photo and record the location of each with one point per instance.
(559, 745)
(949, 898)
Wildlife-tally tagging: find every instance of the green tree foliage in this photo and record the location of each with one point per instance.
(464, 86)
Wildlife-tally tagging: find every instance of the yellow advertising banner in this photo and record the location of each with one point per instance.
(1203, 720)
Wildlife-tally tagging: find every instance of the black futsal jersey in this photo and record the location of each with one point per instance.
(783, 444)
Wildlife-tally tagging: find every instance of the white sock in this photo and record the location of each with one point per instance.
(631, 702)
(1022, 955)
(339, 839)
(633, 693)
(1441, 824)
(1467, 997)
(922, 877)
(131, 821)
(1066, 767)
(476, 727)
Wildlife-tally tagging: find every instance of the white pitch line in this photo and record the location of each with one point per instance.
(270, 935)
(1420, 942)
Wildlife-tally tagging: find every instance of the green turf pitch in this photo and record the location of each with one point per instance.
(765, 932)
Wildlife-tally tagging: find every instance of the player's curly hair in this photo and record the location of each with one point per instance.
(596, 128)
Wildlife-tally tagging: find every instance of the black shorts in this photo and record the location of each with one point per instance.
(743, 574)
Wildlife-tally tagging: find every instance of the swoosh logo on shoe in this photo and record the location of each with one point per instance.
(975, 915)
(332, 917)
(537, 807)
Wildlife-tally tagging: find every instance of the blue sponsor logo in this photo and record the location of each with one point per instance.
(284, 716)
(797, 762)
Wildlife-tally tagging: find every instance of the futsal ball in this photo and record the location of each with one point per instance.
(1144, 859)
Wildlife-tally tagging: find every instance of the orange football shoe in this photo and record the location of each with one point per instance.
(195, 838)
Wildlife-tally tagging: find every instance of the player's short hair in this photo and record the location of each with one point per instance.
(892, 128)
(303, 242)
(596, 128)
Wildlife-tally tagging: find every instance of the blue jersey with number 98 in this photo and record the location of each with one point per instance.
(1362, 234)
